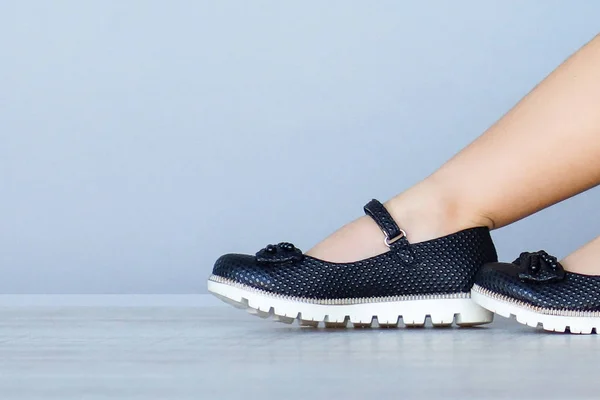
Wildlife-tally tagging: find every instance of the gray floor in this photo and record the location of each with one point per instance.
(217, 352)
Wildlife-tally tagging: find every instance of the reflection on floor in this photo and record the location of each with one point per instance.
(221, 353)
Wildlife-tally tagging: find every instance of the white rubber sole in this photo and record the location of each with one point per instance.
(458, 309)
(535, 317)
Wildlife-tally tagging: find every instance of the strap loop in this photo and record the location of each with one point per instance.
(381, 216)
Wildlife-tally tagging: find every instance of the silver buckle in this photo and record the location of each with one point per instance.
(389, 242)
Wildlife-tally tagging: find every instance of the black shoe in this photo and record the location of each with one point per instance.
(537, 290)
(410, 281)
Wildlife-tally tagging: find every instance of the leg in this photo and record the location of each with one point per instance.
(541, 152)
(546, 149)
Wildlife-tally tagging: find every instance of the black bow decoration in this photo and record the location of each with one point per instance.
(539, 267)
(279, 253)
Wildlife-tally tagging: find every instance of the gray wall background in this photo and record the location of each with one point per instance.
(139, 140)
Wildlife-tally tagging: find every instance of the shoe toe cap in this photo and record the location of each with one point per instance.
(241, 268)
(503, 278)
(497, 272)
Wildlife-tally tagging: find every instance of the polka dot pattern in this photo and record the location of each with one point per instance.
(441, 266)
(575, 292)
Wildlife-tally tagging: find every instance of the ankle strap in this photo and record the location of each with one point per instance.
(381, 216)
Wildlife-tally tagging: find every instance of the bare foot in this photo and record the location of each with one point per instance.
(422, 212)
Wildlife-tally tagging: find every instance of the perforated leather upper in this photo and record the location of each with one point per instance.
(441, 266)
(573, 292)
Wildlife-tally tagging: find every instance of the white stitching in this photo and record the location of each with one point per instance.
(347, 301)
(539, 310)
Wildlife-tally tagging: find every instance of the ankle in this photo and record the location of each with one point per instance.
(427, 211)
